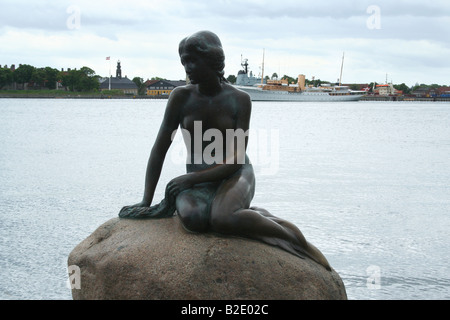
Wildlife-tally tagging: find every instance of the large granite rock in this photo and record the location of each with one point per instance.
(158, 259)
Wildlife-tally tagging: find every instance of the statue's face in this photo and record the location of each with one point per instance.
(196, 67)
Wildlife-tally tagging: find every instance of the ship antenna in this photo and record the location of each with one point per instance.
(244, 64)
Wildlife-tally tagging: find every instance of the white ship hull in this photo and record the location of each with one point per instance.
(257, 94)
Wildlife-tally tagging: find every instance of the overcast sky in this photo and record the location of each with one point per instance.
(409, 41)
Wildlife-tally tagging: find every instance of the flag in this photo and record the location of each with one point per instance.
(108, 58)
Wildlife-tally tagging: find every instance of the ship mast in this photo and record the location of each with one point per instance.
(342, 66)
(262, 70)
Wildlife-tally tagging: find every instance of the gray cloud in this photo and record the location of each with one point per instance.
(33, 15)
(305, 35)
(265, 19)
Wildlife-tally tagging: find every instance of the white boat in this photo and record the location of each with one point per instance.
(335, 93)
(281, 90)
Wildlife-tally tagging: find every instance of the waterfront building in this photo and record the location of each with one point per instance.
(443, 92)
(385, 89)
(119, 83)
(431, 92)
(162, 87)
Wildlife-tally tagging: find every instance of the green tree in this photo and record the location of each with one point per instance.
(23, 74)
(68, 80)
(38, 77)
(88, 72)
(51, 77)
(6, 77)
(289, 79)
(80, 80)
(231, 79)
(88, 81)
(140, 84)
(403, 87)
(315, 82)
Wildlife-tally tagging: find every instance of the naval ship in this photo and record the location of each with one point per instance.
(281, 90)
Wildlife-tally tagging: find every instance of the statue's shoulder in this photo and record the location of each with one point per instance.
(240, 95)
(182, 91)
(180, 95)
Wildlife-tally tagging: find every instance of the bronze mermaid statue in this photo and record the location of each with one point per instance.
(215, 193)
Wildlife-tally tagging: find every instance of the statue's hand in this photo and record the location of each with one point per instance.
(165, 209)
(179, 184)
(134, 210)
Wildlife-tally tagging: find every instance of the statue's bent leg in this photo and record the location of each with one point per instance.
(231, 214)
(193, 211)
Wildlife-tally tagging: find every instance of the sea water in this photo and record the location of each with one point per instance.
(368, 183)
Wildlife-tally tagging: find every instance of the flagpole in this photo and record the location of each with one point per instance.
(109, 73)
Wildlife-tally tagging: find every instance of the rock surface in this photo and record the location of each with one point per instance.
(158, 259)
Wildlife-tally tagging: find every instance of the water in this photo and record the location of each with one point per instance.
(366, 182)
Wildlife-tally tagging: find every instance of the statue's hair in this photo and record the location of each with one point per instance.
(207, 44)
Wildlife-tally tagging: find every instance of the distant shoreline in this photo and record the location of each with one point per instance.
(164, 97)
(404, 98)
(75, 96)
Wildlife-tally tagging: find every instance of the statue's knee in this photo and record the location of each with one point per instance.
(194, 221)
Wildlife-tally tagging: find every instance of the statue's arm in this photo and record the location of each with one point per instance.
(169, 125)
